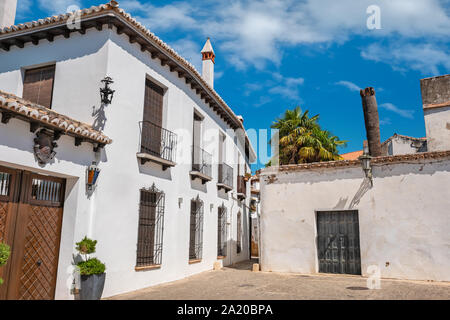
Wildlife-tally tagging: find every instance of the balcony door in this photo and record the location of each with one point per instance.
(197, 159)
(152, 122)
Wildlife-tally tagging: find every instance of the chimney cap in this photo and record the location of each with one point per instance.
(207, 47)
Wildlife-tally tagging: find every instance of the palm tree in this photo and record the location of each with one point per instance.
(303, 141)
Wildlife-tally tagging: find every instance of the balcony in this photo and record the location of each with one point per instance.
(241, 187)
(157, 145)
(201, 165)
(225, 177)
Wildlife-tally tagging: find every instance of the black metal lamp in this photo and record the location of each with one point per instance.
(365, 162)
(106, 94)
(92, 174)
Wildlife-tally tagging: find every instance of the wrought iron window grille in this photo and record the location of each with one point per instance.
(196, 229)
(151, 227)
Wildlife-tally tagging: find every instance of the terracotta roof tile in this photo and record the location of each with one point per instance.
(113, 6)
(354, 163)
(352, 155)
(41, 114)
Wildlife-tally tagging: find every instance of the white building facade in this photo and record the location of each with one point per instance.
(165, 134)
(331, 217)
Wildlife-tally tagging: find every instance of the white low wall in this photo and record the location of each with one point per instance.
(404, 219)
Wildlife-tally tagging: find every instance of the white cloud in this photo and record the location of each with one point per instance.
(57, 6)
(349, 85)
(287, 87)
(385, 121)
(427, 58)
(189, 50)
(255, 32)
(401, 112)
(166, 17)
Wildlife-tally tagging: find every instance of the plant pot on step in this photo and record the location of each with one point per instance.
(91, 286)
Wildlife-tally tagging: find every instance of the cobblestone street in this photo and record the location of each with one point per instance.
(238, 282)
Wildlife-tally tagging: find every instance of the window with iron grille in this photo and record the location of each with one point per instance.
(222, 231)
(150, 232)
(239, 233)
(196, 230)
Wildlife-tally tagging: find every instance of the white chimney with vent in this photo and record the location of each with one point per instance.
(208, 63)
(7, 13)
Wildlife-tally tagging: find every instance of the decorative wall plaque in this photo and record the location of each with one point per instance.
(44, 145)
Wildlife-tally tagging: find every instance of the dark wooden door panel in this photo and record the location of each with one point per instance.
(338, 242)
(30, 222)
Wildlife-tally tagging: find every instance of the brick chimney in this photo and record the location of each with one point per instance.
(436, 110)
(371, 119)
(208, 57)
(7, 13)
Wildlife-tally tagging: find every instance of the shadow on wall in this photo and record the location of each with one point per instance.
(55, 51)
(154, 169)
(16, 135)
(99, 118)
(196, 184)
(365, 186)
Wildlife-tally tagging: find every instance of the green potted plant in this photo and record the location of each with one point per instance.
(4, 255)
(92, 271)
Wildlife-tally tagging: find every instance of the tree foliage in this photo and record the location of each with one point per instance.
(301, 139)
(5, 251)
(90, 265)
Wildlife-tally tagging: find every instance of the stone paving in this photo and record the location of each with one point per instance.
(239, 283)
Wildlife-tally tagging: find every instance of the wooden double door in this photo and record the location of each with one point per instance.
(338, 242)
(31, 210)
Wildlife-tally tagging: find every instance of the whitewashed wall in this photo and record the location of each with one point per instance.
(404, 218)
(111, 214)
(437, 125)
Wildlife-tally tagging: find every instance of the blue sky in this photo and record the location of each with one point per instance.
(273, 55)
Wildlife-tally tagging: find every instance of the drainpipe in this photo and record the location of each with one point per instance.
(371, 119)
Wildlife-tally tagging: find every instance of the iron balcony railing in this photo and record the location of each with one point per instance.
(201, 161)
(225, 174)
(157, 141)
(241, 185)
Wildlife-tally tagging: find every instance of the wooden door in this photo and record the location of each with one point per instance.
(9, 183)
(152, 122)
(34, 232)
(338, 242)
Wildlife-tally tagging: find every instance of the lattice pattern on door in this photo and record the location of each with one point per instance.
(3, 213)
(41, 253)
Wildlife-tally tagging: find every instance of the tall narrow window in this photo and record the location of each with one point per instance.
(150, 232)
(152, 121)
(38, 85)
(222, 231)
(239, 233)
(196, 142)
(196, 230)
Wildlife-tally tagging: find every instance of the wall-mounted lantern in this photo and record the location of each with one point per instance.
(92, 173)
(365, 162)
(106, 94)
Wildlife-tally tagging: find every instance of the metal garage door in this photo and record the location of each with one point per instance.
(338, 242)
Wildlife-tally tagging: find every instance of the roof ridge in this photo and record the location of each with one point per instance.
(113, 6)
